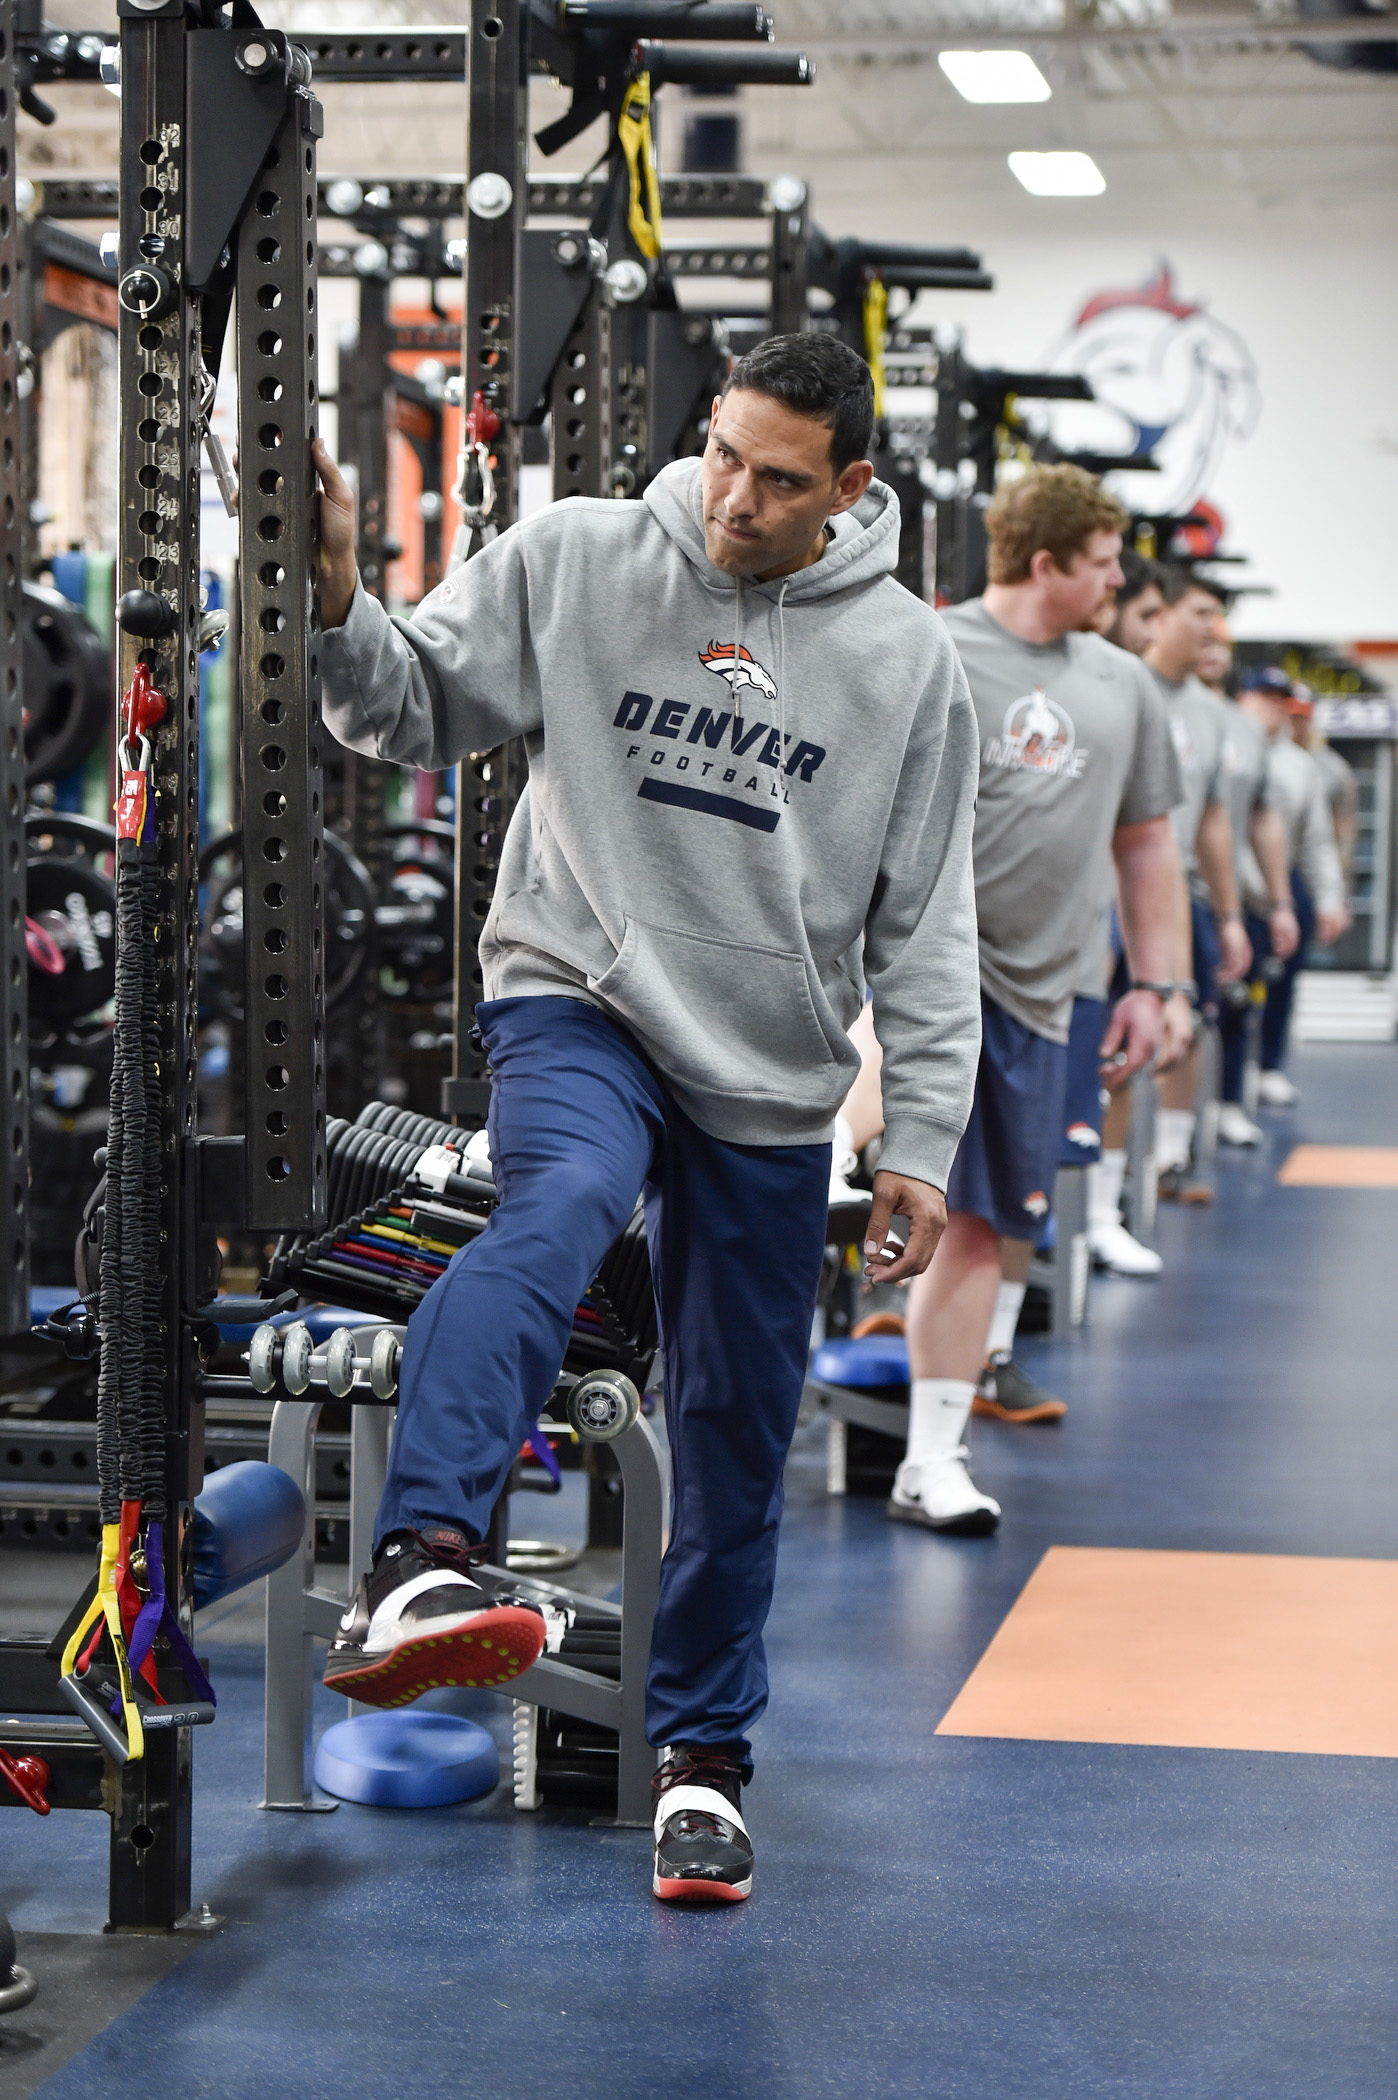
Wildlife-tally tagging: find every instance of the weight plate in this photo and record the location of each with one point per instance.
(339, 1363)
(75, 906)
(262, 1358)
(296, 1357)
(67, 672)
(349, 912)
(383, 1363)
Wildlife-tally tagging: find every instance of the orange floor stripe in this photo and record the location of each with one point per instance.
(1219, 1651)
(1340, 1167)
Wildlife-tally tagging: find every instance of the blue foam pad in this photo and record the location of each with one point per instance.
(248, 1519)
(45, 1299)
(407, 1760)
(875, 1359)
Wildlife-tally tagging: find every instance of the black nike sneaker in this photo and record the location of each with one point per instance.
(420, 1620)
(702, 1850)
(1008, 1393)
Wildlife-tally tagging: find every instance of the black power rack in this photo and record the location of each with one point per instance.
(218, 196)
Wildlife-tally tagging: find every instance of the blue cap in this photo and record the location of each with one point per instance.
(1265, 678)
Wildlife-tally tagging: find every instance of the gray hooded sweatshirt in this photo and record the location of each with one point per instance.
(732, 787)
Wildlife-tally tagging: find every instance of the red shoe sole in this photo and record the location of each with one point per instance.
(494, 1648)
(692, 1890)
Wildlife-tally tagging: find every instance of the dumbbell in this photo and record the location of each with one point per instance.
(602, 1406)
(290, 1356)
(17, 1986)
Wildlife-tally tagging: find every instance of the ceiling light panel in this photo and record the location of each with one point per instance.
(994, 76)
(1058, 174)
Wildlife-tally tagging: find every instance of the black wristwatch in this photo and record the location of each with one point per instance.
(1161, 991)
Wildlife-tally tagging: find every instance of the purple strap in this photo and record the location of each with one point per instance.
(155, 1616)
(543, 1450)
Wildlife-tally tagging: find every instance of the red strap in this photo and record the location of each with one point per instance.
(128, 1596)
(131, 806)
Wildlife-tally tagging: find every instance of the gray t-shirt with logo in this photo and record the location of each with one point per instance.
(1075, 741)
(1198, 724)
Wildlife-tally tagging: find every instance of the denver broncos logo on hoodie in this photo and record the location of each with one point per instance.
(718, 658)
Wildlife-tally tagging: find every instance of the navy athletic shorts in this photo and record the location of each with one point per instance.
(1206, 957)
(1082, 1134)
(1005, 1164)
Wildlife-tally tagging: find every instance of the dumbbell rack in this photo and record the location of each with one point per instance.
(298, 1610)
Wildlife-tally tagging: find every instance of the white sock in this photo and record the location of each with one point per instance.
(1104, 1183)
(1174, 1135)
(1005, 1319)
(937, 1417)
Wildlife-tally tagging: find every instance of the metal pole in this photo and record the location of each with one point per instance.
(283, 812)
(14, 960)
(488, 785)
(158, 551)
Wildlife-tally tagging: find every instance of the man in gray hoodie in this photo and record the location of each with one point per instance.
(752, 773)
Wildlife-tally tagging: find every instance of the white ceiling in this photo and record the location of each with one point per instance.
(1179, 110)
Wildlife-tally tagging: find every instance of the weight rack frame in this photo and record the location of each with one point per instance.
(218, 190)
(14, 958)
(216, 187)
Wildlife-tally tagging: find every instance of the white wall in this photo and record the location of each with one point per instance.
(1312, 494)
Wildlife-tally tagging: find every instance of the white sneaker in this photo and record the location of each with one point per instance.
(1112, 1247)
(1274, 1090)
(940, 1495)
(1235, 1126)
(841, 1192)
(844, 1161)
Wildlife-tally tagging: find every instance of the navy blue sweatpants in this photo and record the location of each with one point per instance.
(580, 1124)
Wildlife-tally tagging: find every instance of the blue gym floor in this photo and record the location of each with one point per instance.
(932, 1915)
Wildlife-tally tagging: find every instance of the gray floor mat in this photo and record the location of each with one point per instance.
(85, 1980)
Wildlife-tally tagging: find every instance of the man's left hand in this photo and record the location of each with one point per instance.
(1134, 1029)
(1176, 1032)
(1235, 950)
(925, 1209)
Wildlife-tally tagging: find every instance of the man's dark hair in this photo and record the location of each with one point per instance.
(818, 376)
(1138, 574)
(1177, 582)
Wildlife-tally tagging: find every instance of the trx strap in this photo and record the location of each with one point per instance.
(637, 144)
(876, 336)
(104, 1607)
(156, 1617)
(130, 1380)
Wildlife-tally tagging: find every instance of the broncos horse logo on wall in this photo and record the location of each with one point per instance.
(1168, 379)
(746, 670)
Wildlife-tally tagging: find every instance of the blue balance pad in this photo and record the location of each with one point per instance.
(407, 1760)
(875, 1359)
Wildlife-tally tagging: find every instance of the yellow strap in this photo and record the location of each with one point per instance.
(107, 1605)
(876, 335)
(634, 135)
(409, 1239)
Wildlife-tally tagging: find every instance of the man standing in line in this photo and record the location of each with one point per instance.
(1129, 622)
(1076, 772)
(1213, 945)
(1311, 878)
(752, 764)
